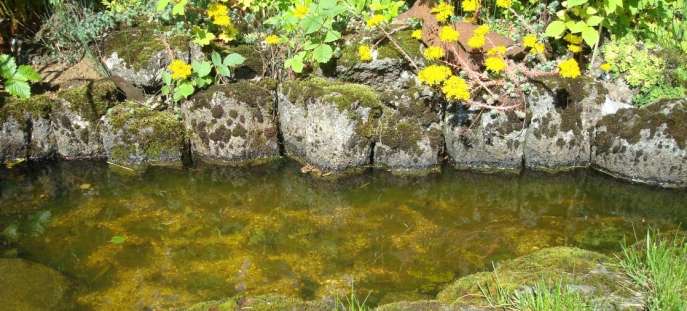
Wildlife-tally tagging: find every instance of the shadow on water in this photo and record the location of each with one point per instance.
(206, 233)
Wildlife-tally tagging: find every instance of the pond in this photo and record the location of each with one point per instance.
(174, 237)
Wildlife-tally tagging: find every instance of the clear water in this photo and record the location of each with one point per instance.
(183, 236)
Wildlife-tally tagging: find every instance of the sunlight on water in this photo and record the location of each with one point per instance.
(172, 237)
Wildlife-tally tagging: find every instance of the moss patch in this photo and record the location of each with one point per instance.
(93, 99)
(343, 95)
(20, 109)
(137, 45)
(250, 93)
(349, 54)
(252, 67)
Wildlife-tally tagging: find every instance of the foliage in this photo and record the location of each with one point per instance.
(352, 302)
(659, 266)
(658, 93)
(659, 21)
(635, 62)
(183, 79)
(579, 17)
(15, 79)
(540, 297)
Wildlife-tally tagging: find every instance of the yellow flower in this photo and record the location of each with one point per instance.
(221, 20)
(497, 51)
(228, 33)
(448, 34)
(442, 11)
(217, 9)
(538, 48)
(417, 34)
(434, 74)
(180, 69)
(300, 11)
(504, 3)
(529, 41)
(606, 67)
(365, 53)
(470, 5)
(456, 88)
(573, 39)
(574, 48)
(569, 68)
(476, 41)
(495, 64)
(272, 40)
(433, 53)
(375, 20)
(482, 30)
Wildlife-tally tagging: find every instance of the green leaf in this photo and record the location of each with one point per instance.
(555, 29)
(223, 70)
(27, 73)
(118, 239)
(594, 20)
(216, 58)
(331, 36)
(17, 88)
(576, 27)
(590, 36)
(161, 5)
(201, 69)
(295, 63)
(184, 90)
(574, 3)
(233, 60)
(7, 66)
(165, 90)
(179, 8)
(202, 36)
(311, 24)
(323, 53)
(166, 78)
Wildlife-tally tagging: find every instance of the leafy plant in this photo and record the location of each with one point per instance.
(15, 79)
(658, 93)
(183, 80)
(635, 62)
(579, 17)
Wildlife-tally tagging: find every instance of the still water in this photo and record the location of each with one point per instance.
(174, 237)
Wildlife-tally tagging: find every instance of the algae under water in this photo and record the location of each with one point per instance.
(173, 237)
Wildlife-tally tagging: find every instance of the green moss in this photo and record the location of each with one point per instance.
(343, 95)
(401, 134)
(250, 93)
(349, 54)
(20, 109)
(93, 99)
(219, 305)
(137, 45)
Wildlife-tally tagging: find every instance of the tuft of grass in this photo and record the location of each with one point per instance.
(352, 302)
(659, 266)
(540, 297)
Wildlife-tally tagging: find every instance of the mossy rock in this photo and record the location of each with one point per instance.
(26, 286)
(422, 305)
(349, 54)
(252, 67)
(268, 302)
(25, 128)
(343, 95)
(133, 135)
(218, 305)
(92, 100)
(593, 274)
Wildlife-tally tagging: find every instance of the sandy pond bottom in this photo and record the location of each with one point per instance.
(174, 237)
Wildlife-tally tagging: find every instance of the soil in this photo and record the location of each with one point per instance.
(64, 75)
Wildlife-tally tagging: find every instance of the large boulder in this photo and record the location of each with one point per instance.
(484, 140)
(136, 136)
(139, 55)
(389, 69)
(590, 274)
(25, 129)
(647, 145)
(329, 125)
(232, 124)
(27, 286)
(408, 139)
(562, 118)
(75, 119)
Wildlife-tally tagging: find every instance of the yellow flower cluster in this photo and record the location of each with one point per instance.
(573, 39)
(434, 74)
(272, 40)
(478, 38)
(300, 11)
(456, 88)
(442, 11)
(574, 48)
(448, 34)
(219, 13)
(417, 34)
(470, 5)
(180, 69)
(375, 20)
(495, 64)
(569, 68)
(504, 3)
(606, 67)
(364, 53)
(497, 51)
(530, 41)
(433, 53)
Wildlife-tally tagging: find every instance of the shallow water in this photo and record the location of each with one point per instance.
(173, 237)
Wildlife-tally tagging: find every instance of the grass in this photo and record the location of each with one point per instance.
(540, 297)
(659, 267)
(352, 302)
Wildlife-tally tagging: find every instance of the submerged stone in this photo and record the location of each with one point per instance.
(232, 124)
(589, 273)
(134, 135)
(647, 145)
(27, 286)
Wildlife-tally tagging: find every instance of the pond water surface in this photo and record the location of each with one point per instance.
(174, 237)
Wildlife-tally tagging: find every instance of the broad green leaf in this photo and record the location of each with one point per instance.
(183, 90)
(309, 46)
(166, 78)
(201, 69)
(574, 3)
(332, 35)
(179, 8)
(576, 27)
(216, 58)
(7, 66)
(223, 70)
(118, 239)
(590, 10)
(295, 63)
(555, 29)
(202, 36)
(233, 60)
(594, 20)
(165, 90)
(327, 4)
(323, 53)
(27, 73)
(590, 36)
(161, 5)
(17, 88)
(311, 24)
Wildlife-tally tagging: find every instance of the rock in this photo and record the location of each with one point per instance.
(25, 129)
(590, 273)
(30, 286)
(232, 124)
(136, 136)
(388, 69)
(562, 119)
(492, 142)
(647, 145)
(252, 67)
(426, 305)
(139, 55)
(267, 302)
(75, 119)
(408, 140)
(329, 125)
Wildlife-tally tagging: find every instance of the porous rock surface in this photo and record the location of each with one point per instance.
(232, 124)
